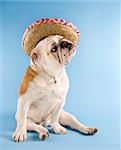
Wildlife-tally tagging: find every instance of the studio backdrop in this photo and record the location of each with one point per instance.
(94, 73)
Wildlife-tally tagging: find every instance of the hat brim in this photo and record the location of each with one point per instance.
(39, 31)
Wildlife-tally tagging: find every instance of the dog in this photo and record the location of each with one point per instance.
(43, 91)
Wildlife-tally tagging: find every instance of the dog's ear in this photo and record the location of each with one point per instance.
(34, 55)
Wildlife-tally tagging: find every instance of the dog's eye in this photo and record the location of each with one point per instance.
(54, 49)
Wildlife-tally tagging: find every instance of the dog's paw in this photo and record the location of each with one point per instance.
(91, 131)
(44, 135)
(58, 129)
(19, 135)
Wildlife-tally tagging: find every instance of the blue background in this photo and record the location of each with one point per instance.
(94, 72)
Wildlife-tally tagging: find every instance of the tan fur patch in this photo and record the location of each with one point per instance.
(28, 77)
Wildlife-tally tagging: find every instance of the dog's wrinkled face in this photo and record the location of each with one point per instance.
(53, 51)
(61, 49)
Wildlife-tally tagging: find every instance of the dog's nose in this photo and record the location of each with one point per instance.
(66, 44)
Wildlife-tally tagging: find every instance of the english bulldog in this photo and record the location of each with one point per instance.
(43, 90)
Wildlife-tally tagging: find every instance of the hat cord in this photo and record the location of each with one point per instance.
(55, 79)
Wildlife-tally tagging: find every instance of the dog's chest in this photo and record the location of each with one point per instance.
(56, 88)
(47, 95)
(52, 88)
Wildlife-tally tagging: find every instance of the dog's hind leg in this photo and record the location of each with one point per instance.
(67, 119)
(32, 126)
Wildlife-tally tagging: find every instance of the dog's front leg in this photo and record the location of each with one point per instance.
(20, 133)
(57, 128)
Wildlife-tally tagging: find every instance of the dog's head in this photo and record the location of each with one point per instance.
(53, 52)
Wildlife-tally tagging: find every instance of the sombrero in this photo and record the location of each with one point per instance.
(46, 27)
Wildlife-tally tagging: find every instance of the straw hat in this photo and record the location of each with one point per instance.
(46, 27)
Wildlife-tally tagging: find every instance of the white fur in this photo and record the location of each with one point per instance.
(42, 104)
